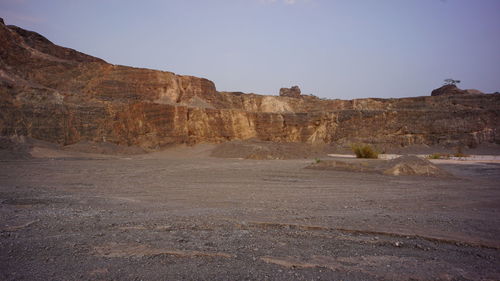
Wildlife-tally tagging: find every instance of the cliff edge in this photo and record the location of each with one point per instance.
(63, 96)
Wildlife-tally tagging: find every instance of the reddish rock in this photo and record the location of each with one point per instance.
(63, 96)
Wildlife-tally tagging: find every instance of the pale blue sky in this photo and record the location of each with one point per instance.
(333, 49)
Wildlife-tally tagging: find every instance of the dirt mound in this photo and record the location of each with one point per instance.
(14, 148)
(263, 150)
(104, 148)
(401, 166)
(413, 166)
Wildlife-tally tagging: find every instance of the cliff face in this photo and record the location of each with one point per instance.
(60, 95)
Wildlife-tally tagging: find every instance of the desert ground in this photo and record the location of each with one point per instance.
(182, 214)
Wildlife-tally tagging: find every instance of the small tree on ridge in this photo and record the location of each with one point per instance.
(450, 81)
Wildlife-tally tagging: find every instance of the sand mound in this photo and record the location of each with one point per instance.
(14, 148)
(401, 166)
(20, 147)
(413, 166)
(104, 148)
(263, 150)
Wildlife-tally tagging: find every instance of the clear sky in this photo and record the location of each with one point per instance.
(331, 48)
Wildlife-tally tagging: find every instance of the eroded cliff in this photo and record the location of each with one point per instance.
(60, 95)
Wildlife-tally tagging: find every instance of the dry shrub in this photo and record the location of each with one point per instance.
(438, 156)
(364, 151)
(460, 155)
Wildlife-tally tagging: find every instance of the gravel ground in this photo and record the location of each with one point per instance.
(183, 215)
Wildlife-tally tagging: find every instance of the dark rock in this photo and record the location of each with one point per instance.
(293, 92)
(448, 90)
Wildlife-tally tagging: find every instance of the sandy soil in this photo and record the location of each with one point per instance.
(267, 150)
(181, 214)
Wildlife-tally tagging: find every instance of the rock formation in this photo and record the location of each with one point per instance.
(449, 90)
(63, 96)
(293, 92)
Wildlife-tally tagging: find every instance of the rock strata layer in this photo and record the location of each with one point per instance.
(63, 96)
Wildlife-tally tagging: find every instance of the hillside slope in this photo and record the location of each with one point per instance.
(63, 96)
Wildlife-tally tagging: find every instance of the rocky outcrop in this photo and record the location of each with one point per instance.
(63, 96)
(450, 89)
(293, 92)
